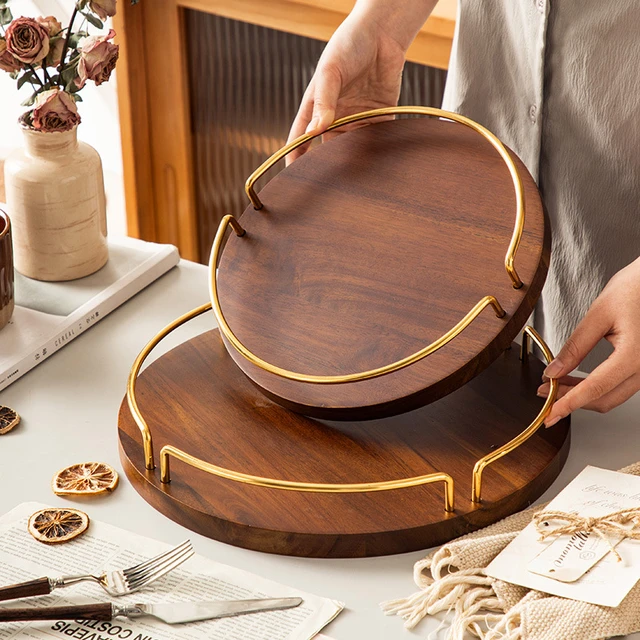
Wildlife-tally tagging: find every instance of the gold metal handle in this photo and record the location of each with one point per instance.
(424, 111)
(228, 333)
(528, 334)
(132, 400)
(169, 451)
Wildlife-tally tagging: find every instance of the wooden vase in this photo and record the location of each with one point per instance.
(56, 199)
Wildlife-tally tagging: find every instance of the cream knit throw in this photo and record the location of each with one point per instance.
(452, 579)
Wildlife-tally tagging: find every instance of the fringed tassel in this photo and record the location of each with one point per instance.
(464, 593)
(508, 627)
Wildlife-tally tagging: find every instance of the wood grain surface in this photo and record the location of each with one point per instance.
(38, 587)
(369, 248)
(195, 398)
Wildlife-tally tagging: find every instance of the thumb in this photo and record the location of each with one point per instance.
(593, 327)
(325, 100)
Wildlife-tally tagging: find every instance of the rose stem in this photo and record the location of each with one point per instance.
(65, 48)
(44, 68)
(30, 66)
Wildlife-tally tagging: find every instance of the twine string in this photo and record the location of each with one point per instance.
(619, 524)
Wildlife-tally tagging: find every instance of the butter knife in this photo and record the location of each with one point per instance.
(174, 613)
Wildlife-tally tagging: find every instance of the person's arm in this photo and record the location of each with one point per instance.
(361, 66)
(615, 316)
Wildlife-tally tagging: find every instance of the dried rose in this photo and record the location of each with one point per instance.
(54, 110)
(27, 40)
(103, 8)
(7, 62)
(54, 57)
(53, 26)
(98, 58)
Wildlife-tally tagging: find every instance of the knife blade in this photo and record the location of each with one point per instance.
(182, 612)
(171, 613)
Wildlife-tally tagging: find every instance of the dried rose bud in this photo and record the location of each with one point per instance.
(27, 40)
(98, 58)
(54, 110)
(103, 8)
(7, 62)
(53, 26)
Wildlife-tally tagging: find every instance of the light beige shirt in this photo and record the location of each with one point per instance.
(559, 82)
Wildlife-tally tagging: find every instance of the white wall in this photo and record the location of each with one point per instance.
(100, 126)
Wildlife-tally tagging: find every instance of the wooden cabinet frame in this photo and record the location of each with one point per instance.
(153, 97)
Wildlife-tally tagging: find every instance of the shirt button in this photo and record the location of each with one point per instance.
(540, 4)
(533, 111)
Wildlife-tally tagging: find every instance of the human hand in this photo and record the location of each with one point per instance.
(615, 316)
(360, 69)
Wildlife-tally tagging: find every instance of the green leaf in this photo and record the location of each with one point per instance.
(28, 76)
(29, 101)
(68, 74)
(5, 16)
(72, 87)
(77, 97)
(74, 40)
(96, 22)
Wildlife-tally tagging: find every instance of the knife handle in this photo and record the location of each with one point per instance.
(102, 611)
(38, 587)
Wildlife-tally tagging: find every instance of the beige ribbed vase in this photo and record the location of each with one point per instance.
(55, 197)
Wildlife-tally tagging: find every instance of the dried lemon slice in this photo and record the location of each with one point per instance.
(8, 419)
(58, 525)
(86, 478)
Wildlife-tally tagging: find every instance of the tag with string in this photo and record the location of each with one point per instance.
(578, 546)
(597, 513)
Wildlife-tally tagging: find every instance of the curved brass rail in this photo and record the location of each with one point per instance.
(425, 111)
(169, 451)
(476, 484)
(309, 487)
(228, 333)
(132, 401)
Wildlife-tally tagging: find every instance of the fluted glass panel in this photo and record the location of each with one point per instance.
(246, 82)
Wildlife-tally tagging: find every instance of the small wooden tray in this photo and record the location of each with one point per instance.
(196, 399)
(372, 246)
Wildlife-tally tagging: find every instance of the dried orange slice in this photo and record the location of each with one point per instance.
(84, 479)
(58, 525)
(8, 419)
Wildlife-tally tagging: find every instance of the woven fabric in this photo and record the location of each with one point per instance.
(453, 579)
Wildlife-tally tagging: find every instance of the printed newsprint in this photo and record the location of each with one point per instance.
(48, 315)
(104, 546)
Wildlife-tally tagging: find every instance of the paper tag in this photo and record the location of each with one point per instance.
(569, 557)
(593, 493)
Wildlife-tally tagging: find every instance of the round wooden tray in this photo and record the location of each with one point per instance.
(369, 248)
(196, 399)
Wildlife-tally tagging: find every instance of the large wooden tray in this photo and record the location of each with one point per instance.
(372, 246)
(196, 399)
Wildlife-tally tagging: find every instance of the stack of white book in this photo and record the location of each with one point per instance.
(48, 315)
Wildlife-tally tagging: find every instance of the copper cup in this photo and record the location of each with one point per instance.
(6, 270)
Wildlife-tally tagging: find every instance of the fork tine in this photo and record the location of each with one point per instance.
(144, 579)
(152, 562)
(188, 552)
(138, 573)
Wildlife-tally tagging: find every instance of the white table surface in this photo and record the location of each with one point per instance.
(69, 407)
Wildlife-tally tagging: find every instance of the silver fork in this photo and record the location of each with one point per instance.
(116, 583)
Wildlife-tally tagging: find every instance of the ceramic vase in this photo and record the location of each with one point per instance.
(56, 200)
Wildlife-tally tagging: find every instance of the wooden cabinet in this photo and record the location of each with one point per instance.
(154, 97)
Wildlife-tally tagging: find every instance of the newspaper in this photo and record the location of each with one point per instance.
(107, 547)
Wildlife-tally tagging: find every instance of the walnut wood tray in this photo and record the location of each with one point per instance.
(235, 455)
(372, 246)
